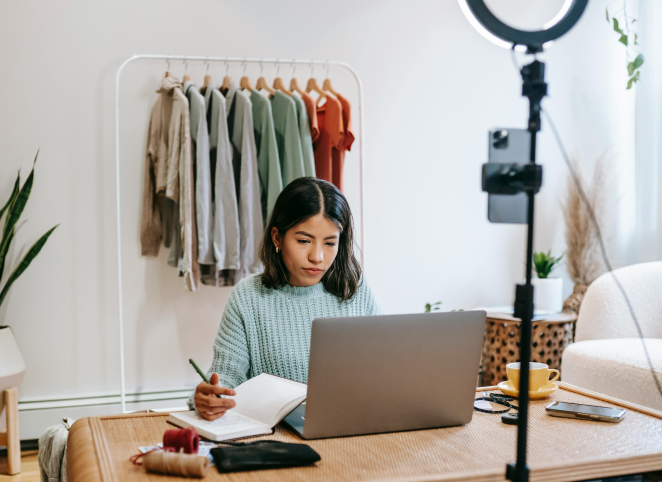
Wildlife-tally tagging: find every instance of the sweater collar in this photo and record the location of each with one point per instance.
(305, 291)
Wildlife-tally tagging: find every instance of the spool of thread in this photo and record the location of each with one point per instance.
(181, 439)
(171, 463)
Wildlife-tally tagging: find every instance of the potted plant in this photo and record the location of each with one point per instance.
(12, 366)
(547, 292)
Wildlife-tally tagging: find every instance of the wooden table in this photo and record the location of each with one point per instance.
(560, 449)
(549, 337)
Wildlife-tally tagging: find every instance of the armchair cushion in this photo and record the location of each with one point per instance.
(615, 367)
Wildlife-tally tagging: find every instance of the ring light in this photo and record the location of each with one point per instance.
(497, 32)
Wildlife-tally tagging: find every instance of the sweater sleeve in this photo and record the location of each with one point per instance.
(231, 358)
(371, 306)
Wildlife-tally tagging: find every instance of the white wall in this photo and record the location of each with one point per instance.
(433, 88)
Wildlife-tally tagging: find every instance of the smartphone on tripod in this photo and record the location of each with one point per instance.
(508, 146)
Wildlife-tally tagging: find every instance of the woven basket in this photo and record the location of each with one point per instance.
(501, 346)
(574, 301)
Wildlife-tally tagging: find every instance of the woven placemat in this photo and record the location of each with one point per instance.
(559, 449)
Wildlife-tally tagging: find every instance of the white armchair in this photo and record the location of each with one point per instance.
(608, 355)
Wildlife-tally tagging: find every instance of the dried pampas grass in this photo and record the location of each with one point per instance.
(583, 260)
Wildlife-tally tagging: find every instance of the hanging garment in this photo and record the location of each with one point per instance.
(288, 138)
(247, 184)
(203, 193)
(271, 181)
(225, 215)
(304, 135)
(346, 145)
(179, 188)
(332, 135)
(311, 110)
(156, 156)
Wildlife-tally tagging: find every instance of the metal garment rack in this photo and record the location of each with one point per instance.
(199, 58)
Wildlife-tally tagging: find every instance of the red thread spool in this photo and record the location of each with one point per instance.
(185, 439)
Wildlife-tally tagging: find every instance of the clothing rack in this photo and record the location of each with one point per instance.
(200, 58)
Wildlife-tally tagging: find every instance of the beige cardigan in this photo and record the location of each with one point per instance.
(169, 172)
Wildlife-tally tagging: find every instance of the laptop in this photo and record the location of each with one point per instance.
(391, 373)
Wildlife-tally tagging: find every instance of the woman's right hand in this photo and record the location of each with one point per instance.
(208, 405)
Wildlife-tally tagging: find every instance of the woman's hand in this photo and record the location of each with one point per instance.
(207, 404)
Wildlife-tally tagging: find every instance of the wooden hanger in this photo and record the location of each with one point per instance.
(168, 74)
(278, 82)
(262, 82)
(313, 86)
(186, 77)
(294, 86)
(207, 80)
(225, 86)
(244, 83)
(326, 86)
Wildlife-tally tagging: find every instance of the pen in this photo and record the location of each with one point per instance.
(204, 377)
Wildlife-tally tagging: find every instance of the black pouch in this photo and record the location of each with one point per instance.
(264, 454)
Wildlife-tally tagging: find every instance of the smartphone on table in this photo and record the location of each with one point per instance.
(585, 412)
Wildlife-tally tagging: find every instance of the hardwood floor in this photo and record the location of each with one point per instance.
(29, 468)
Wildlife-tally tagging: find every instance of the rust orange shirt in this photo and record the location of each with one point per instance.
(338, 155)
(331, 137)
(311, 110)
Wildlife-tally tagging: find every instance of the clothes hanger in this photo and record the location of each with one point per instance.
(294, 83)
(226, 80)
(262, 82)
(244, 83)
(313, 86)
(207, 78)
(186, 77)
(278, 82)
(326, 85)
(168, 74)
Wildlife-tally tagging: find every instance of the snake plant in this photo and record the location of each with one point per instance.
(13, 209)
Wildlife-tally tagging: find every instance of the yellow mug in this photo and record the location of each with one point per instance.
(538, 375)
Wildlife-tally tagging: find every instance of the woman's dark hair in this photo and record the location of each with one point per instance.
(302, 199)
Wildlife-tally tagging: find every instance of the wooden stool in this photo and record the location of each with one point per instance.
(10, 438)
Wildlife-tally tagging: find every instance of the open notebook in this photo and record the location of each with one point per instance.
(262, 402)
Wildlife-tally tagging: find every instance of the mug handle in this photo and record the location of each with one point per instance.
(551, 370)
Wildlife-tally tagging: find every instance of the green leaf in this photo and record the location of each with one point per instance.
(25, 262)
(14, 192)
(616, 27)
(633, 20)
(635, 39)
(638, 62)
(630, 84)
(16, 208)
(4, 248)
(607, 13)
(631, 68)
(624, 40)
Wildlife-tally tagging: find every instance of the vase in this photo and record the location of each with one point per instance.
(548, 294)
(12, 366)
(574, 301)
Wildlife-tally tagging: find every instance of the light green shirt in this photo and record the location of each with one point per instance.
(288, 139)
(268, 164)
(306, 138)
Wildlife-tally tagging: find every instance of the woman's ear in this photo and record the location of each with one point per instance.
(276, 237)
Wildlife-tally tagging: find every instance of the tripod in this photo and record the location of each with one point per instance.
(512, 179)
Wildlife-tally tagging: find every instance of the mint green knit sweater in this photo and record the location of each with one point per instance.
(268, 330)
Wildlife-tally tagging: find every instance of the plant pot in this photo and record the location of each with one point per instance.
(12, 366)
(548, 294)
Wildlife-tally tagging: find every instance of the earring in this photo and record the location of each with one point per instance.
(277, 249)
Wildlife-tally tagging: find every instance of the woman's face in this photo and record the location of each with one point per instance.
(308, 249)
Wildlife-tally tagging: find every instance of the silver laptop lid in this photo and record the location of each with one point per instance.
(391, 373)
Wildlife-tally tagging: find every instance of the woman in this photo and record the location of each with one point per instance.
(309, 272)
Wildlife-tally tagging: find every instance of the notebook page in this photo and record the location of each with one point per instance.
(229, 424)
(264, 397)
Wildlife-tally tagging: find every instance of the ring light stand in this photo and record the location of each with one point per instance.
(513, 178)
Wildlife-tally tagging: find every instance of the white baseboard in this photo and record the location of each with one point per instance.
(37, 415)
